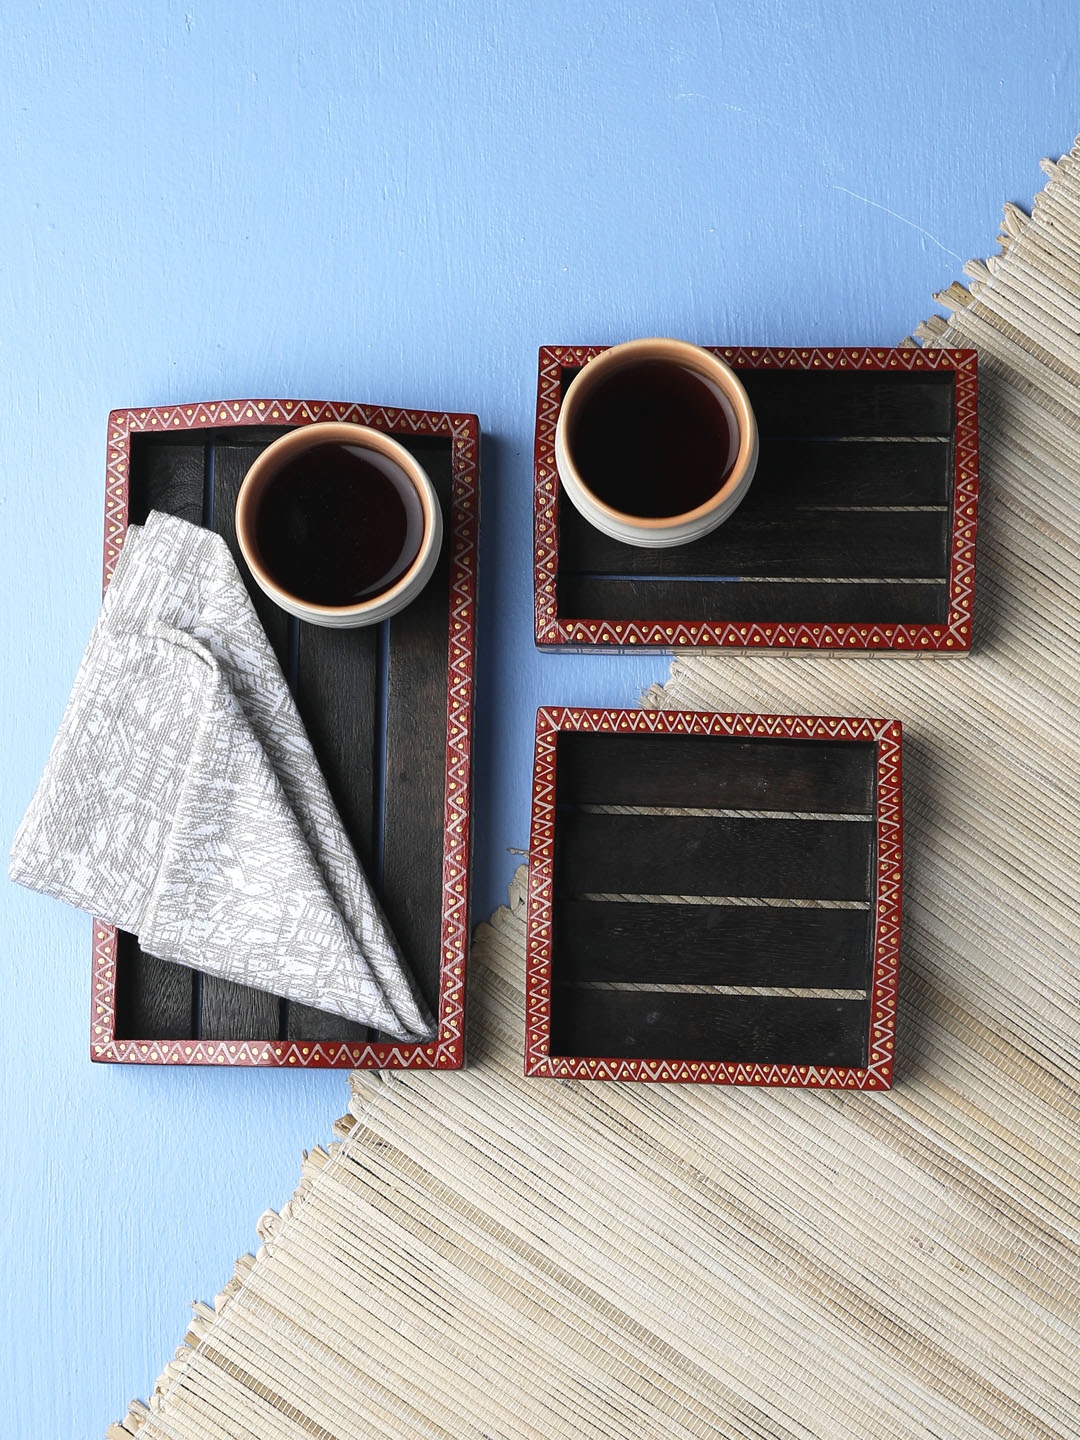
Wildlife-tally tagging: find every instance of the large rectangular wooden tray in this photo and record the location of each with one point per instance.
(858, 532)
(714, 898)
(389, 713)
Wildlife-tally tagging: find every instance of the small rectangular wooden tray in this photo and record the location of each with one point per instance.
(858, 532)
(714, 898)
(389, 713)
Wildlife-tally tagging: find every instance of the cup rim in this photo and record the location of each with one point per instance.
(331, 432)
(691, 356)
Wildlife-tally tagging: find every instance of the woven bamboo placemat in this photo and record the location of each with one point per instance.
(484, 1256)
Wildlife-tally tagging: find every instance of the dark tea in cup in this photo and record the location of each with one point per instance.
(339, 524)
(654, 439)
(656, 443)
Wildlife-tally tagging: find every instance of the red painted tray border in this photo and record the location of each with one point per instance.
(446, 1052)
(952, 637)
(885, 734)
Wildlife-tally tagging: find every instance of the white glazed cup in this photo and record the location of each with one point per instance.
(387, 602)
(732, 484)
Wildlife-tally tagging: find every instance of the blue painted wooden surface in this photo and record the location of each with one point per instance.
(396, 203)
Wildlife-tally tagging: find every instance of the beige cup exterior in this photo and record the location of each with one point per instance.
(380, 607)
(665, 530)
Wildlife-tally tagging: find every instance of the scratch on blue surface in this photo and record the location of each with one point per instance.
(897, 216)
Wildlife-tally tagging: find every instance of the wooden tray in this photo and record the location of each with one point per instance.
(714, 898)
(389, 713)
(858, 532)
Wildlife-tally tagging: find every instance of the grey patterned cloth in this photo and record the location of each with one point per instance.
(182, 801)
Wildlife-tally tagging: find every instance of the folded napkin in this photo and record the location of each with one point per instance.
(182, 801)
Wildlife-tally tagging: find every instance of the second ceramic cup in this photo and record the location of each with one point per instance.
(656, 443)
(339, 525)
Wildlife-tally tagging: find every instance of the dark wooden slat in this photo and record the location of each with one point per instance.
(304, 1022)
(335, 686)
(719, 771)
(838, 402)
(413, 830)
(851, 472)
(229, 1011)
(748, 1028)
(811, 544)
(237, 1012)
(171, 479)
(843, 402)
(697, 855)
(710, 944)
(231, 463)
(154, 998)
(732, 601)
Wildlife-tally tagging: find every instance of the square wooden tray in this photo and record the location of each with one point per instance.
(714, 898)
(389, 713)
(858, 532)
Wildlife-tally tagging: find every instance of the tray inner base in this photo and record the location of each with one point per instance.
(374, 705)
(848, 519)
(712, 899)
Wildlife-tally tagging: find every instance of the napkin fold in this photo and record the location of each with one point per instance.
(182, 801)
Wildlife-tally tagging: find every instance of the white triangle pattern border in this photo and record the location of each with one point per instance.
(886, 735)
(953, 636)
(447, 1050)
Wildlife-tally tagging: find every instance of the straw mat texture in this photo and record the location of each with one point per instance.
(484, 1256)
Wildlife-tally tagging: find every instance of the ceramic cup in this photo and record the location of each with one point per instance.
(339, 525)
(656, 443)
